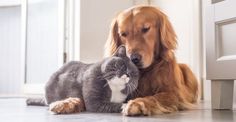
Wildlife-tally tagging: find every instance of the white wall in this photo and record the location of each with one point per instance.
(96, 16)
(184, 16)
(206, 83)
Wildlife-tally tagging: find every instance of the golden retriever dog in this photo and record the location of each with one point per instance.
(165, 86)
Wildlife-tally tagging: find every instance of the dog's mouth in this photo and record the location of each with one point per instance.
(142, 65)
(139, 65)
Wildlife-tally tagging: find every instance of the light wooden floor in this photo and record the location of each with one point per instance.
(15, 110)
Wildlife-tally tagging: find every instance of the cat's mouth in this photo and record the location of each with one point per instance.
(119, 82)
(125, 78)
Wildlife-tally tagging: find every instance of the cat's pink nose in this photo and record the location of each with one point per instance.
(124, 76)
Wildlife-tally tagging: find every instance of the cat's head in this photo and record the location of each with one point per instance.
(119, 66)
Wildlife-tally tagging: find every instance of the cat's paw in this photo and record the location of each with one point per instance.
(135, 108)
(69, 105)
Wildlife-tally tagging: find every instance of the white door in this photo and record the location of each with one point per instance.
(221, 50)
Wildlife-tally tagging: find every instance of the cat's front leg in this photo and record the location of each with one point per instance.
(66, 106)
(105, 107)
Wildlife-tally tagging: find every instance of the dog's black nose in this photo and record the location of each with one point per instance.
(135, 58)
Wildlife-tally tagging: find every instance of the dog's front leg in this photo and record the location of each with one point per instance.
(151, 105)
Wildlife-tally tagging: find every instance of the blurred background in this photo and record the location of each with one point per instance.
(39, 36)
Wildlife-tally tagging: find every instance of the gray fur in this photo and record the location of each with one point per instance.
(89, 82)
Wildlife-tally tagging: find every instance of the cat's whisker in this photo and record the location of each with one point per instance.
(135, 90)
(109, 75)
(130, 88)
(138, 92)
(105, 85)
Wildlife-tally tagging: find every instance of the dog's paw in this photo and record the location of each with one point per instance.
(135, 108)
(69, 105)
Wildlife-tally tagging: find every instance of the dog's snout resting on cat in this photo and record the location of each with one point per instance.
(100, 87)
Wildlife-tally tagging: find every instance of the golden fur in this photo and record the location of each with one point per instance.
(66, 106)
(165, 86)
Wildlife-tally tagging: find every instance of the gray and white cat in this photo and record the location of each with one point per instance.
(103, 86)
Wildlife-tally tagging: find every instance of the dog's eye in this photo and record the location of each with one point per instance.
(123, 34)
(145, 29)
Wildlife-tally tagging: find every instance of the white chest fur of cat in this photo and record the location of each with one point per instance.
(117, 84)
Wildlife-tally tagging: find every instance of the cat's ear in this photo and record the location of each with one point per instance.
(121, 51)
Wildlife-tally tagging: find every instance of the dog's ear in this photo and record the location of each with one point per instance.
(167, 33)
(167, 38)
(113, 41)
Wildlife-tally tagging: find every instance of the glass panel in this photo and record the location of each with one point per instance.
(42, 40)
(10, 47)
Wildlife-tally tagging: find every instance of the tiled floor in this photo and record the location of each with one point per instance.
(15, 110)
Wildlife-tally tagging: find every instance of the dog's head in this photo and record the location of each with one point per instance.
(146, 33)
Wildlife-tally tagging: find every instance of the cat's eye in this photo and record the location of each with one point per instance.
(145, 29)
